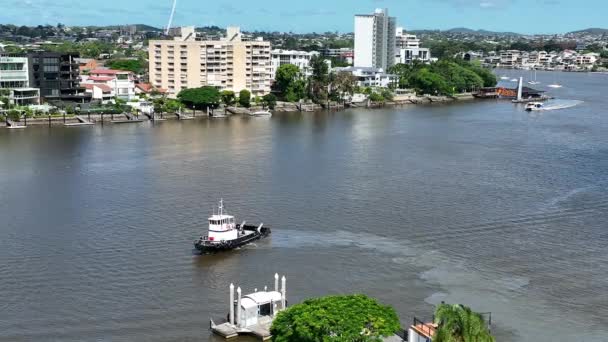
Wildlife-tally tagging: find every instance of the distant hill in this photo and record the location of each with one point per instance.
(594, 30)
(464, 30)
(144, 27)
(482, 32)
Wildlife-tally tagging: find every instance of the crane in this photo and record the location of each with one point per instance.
(171, 18)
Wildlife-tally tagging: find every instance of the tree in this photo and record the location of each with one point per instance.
(427, 82)
(387, 94)
(488, 77)
(245, 98)
(375, 97)
(14, 115)
(203, 97)
(286, 75)
(4, 102)
(171, 106)
(296, 91)
(228, 97)
(458, 323)
(351, 318)
(134, 65)
(269, 101)
(319, 80)
(344, 83)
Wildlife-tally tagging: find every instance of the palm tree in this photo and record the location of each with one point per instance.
(458, 323)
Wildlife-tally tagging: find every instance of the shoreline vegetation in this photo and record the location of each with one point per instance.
(281, 107)
(443, 81)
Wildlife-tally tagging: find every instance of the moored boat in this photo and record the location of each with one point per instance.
(224, 234)
(262, 113)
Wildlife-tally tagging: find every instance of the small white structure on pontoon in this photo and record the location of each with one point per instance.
(252, 314)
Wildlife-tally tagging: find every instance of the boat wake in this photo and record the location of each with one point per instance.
(558, 104)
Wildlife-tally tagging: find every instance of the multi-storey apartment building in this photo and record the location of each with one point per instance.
(57, 76)
(231, 63)
(408, 48)
(301, 59)
(375, 40)
(14, 77)
(509, 58)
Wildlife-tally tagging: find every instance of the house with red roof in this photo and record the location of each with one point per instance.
(120, 83)
(147, 88)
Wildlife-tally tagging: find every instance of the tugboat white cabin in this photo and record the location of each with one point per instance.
(222, 227)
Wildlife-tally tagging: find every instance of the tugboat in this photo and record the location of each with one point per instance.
(225, 235)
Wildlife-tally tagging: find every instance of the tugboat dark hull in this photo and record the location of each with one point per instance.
(251, 234)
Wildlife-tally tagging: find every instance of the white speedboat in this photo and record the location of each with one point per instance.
(504, 77)
(535, 106)
(261, 113)
(556, 85)
(514, 80)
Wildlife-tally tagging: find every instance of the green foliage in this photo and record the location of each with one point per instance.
(4, 102)
(203, 97)
(427, 82)
(69, 110)
(376, 97)
(286, 75)
(458, 323)
(14, 115)
(352, 318)
(387, 94)
(269, 101)
(136, 66)
(85, 49)
(228, 97)
(245, 98)
(171, 106)
(319, 80)
(296, 91)
(343, 83)
(445, 77)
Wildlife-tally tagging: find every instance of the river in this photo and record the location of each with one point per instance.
(479, 203)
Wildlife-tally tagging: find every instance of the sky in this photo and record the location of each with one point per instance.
(522, 16)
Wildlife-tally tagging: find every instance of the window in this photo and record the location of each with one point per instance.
(50, 60)
(51, 68)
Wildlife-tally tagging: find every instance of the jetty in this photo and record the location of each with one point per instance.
(13, 125)
(183, 116)
(81, 122)
(252, 314)
(130, 118)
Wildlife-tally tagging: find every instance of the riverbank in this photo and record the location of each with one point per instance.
(281, 107)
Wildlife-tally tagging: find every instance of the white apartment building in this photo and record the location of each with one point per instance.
(230, 63)
(587, 60)
(408, 48)
(14, 76)
(105, 84)
(370, 77)
(301, 59)
(375, 40)
(509, 58)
